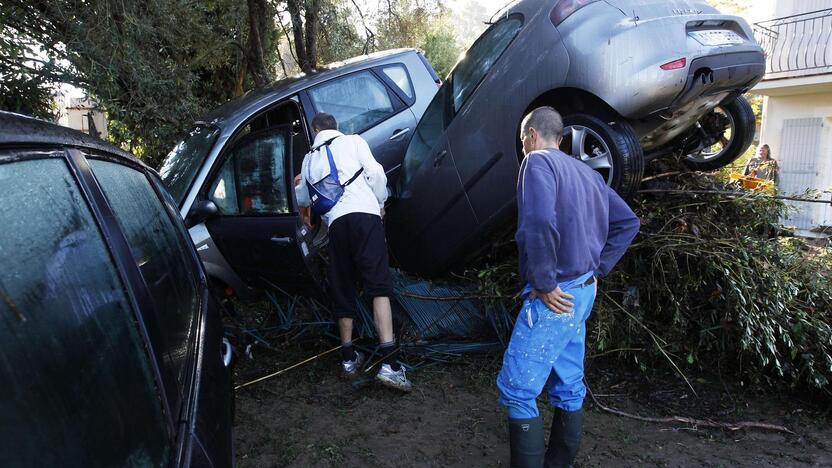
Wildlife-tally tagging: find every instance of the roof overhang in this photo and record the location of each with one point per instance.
(793, 86)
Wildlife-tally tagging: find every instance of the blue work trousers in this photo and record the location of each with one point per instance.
(546, 347)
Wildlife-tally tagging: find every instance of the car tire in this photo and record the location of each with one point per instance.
(742, 124)
(618, 156)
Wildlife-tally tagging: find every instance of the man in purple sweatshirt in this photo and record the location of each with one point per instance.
(571, 229)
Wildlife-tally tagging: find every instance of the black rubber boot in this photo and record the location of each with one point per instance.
(565, 438)
(526, 438)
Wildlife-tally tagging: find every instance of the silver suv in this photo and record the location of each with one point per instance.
(232, 176)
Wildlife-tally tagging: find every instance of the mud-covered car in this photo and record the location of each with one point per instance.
(633, 79)
(112, 348)
(232, 176)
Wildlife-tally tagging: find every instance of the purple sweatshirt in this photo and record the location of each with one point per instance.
(569, 221)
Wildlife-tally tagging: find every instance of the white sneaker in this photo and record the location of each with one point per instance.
(394, 379)
(351, 367)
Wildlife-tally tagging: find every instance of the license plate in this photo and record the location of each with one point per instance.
(716, 37)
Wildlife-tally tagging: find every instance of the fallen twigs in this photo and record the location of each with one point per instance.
(655, 339)
(693, 422)
(287, 369)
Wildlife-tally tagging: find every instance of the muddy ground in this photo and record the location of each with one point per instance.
(309, 416)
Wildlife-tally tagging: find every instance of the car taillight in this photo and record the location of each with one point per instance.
(564, 8)
(675, 65)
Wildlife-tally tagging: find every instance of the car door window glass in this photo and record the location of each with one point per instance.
(252, 180)
(481, 57)
(77, 381)
(357, 101)
(167, 266)
(182, 164)
(398, 74)
(224, 190)
(425, 138)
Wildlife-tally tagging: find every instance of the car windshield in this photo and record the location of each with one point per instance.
(183, 162)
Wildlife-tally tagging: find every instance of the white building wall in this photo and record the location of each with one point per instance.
(776, 111)
(795, 7)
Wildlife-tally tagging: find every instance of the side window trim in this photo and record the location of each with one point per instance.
(137, 292)
(398, 104)
(379, 72)
(195, 347)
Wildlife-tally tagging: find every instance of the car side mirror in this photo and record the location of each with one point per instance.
(201, 211)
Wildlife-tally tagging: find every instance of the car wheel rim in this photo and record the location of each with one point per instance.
(586, 145)
(717, 149)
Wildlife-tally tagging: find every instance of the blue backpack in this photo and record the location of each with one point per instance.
(326, 192)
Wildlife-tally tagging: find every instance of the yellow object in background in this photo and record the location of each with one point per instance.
(753, 183)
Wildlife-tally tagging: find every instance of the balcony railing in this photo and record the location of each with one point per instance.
(797, 45)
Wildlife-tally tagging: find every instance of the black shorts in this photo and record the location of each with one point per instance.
(357, 251)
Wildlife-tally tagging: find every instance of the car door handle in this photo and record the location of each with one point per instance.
(439, 157)
(399, 133)
(283, 240)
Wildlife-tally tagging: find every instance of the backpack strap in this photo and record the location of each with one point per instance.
(333, 171)
(354, 177)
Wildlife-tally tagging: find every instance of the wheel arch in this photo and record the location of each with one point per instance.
(568, 100)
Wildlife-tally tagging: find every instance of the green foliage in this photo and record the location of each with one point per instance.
(340, 39)
(422, 24)
(441, 48)
(708, 284)
(714, 284)
(27, 78)
(153, 66)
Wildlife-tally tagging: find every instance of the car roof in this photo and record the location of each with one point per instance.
(228, 113)
(21, 130)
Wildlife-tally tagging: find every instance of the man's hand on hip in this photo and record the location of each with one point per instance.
(556, 300)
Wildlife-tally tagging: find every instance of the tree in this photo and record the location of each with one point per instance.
(423, 24)
(154, 67)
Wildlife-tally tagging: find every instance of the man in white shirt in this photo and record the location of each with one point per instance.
(357, 246)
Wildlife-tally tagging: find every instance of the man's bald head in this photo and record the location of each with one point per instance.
(547, 121)
(541, 129)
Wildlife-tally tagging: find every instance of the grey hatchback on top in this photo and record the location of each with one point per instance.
(232, 176)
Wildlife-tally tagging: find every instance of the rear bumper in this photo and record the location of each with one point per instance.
(733, 73)
(618, 58)
(711, 81)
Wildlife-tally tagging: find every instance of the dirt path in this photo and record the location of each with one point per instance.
(310, 417)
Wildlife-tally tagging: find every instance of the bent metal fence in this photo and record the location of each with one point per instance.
(435, 322)
(797, 45)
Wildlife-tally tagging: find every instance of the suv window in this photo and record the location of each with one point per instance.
(357, 101)
(167, 266)
(182, 164)
(252, 180)
(398, 74)
(77, 380)
(481, 57)
(427, 135)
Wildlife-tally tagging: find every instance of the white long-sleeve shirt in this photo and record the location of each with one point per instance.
(366, 194)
